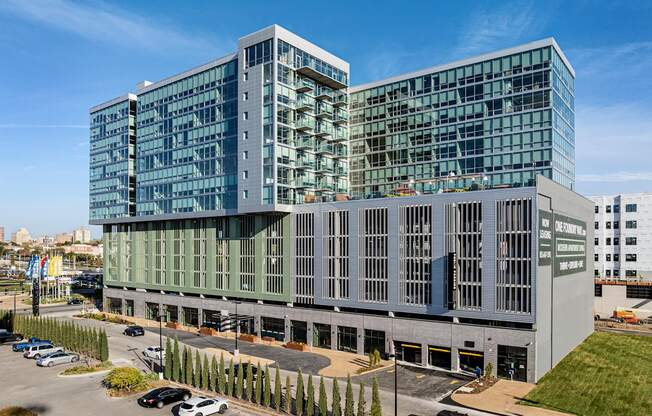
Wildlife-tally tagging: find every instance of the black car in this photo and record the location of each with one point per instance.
(134, 331)
(9, 337)
(164, 395)
(254, 370)
(75, 301)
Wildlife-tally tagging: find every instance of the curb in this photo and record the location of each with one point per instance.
(85, 374)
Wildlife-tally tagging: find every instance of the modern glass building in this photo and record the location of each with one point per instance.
(263, 177)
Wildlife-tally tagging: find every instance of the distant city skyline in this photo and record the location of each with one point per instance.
(82, 46)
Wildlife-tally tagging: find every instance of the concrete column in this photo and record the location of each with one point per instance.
(288, 328)
(309, 333)
(360, 347)
(424, 354)
(200, 317)
(455, 362)
(333, 337)
(257, 325)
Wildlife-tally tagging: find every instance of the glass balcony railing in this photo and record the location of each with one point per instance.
(340, 134)
(322, 93)
(304, 85)
(303, 182)
(306, 164)
(305, 123)
(304, 142)
(324, 128)
(326, 148)
(340, 151)
(340, 99)
(340, 116)
(324, 110)
(304, 103)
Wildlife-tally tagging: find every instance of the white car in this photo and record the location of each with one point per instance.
(57, 358)
(38, 351)
(203, 406)
(154, 353)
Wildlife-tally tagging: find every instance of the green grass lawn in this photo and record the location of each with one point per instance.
(608, 374)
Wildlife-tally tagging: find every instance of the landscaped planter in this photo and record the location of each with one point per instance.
(248, 338)
(173, 325)
(208, 331)
(297, 346)
(269, 340)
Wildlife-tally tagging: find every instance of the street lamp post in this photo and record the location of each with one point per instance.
(237, 327)
(160, 344)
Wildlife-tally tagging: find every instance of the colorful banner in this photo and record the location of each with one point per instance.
(44, 267)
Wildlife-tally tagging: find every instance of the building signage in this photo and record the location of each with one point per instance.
(562, 243)
(545, 238)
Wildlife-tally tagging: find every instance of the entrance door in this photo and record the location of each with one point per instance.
(322, 335)
(512, 362)
(408, 352)
(299, 331)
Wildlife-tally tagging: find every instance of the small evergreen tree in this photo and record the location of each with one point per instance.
(310, 397)
(300, 395)
(249, 394)
(221, 376)
(362, 403)
(287, 399)
(240, 382)
(215, 375)
(323, 404)
(205, 374)
(277, 389)
(267, 390)
(349, 405)
(104, 352)
(376, 357)
(167, 370)
(336, 405)
(196, 380)
(188, 367)
(176, 361)
(231, 379)
(258, 392)
(376, 409)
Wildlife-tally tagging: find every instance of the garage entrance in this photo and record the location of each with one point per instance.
(408, 352)
(439, 357)
(512, 362)
(470, 360)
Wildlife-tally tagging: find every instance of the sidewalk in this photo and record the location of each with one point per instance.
(503, 398)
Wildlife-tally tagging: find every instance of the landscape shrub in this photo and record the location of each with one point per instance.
(126, 379)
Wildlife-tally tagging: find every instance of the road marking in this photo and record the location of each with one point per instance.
(420, 376)
(454, 382)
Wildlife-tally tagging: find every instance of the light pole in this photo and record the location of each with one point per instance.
(392, 355)
(160, 345)
(237, 327)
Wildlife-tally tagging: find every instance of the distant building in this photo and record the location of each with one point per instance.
(81, 235)
(623, 237)
(21, 236)
(2, 234)
(84, 249)
(63, 238)
(45, 241)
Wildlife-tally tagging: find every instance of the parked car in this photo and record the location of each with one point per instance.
(203, 406)
(164, 395)
(9, 337)
(134, 331)
(75, 301)
(20, 346)
(154, 353)
(56, 358)
(38, 351)
(254, 370)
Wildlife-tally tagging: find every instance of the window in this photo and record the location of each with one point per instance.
(630, 241)
(245, 135)
(607, 273)
(607, 257)
(597, 209)
(245, 155)
(630, 273)
(639, 292)
(597, 225)
(616, 241)
(245, 96)
(245, 115)
(245, 76)
(630, 224)
(630, 208)
(598, 291)
(596, 257)
(616, 257)
(616, 272)
(616, 225)
(245, 194)
(596, 241)
(245, 174)
(608, 225)
(608, 209)
(608, 241)
(596, 272)
(630, 257)
(616, 209)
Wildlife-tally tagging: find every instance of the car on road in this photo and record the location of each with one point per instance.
(20, 346)
(154, 353)
(9, 337)
(134, 331)
(75, 301)
(164, 395)
(203, 406)
(56, 358)
(40, 350)
(245, 366)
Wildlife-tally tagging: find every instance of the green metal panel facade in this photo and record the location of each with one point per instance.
(192, 254)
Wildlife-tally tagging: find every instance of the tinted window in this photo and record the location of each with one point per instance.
(186, 406)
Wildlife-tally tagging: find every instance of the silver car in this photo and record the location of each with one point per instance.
(40, 350)
(57, 358)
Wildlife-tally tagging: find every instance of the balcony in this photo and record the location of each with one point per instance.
(304, 85)
(306, 164)
(341, 134)
(306, 183)
(340, 151)
(325, 185)
(326, 148)
(341, 100)
(322, 78)
(323, 129)
(324, 110)
(305, 103)
(305, 123)
(324, 94)
(341, 117)
(305, 142)
(341, 171)
(325, 167)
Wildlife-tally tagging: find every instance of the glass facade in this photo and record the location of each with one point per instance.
(112, 150)
(187, 145)
(493, 122)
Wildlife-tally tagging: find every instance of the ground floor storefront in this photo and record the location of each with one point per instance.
(443, 345)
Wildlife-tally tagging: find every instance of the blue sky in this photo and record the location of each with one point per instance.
(60, 57)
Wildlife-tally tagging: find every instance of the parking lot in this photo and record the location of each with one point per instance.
(41, 389)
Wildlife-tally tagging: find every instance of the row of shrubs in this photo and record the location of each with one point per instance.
(198, 372)
(71, 336)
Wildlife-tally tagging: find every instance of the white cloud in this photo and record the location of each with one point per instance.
(491, 28)
(108, 24)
